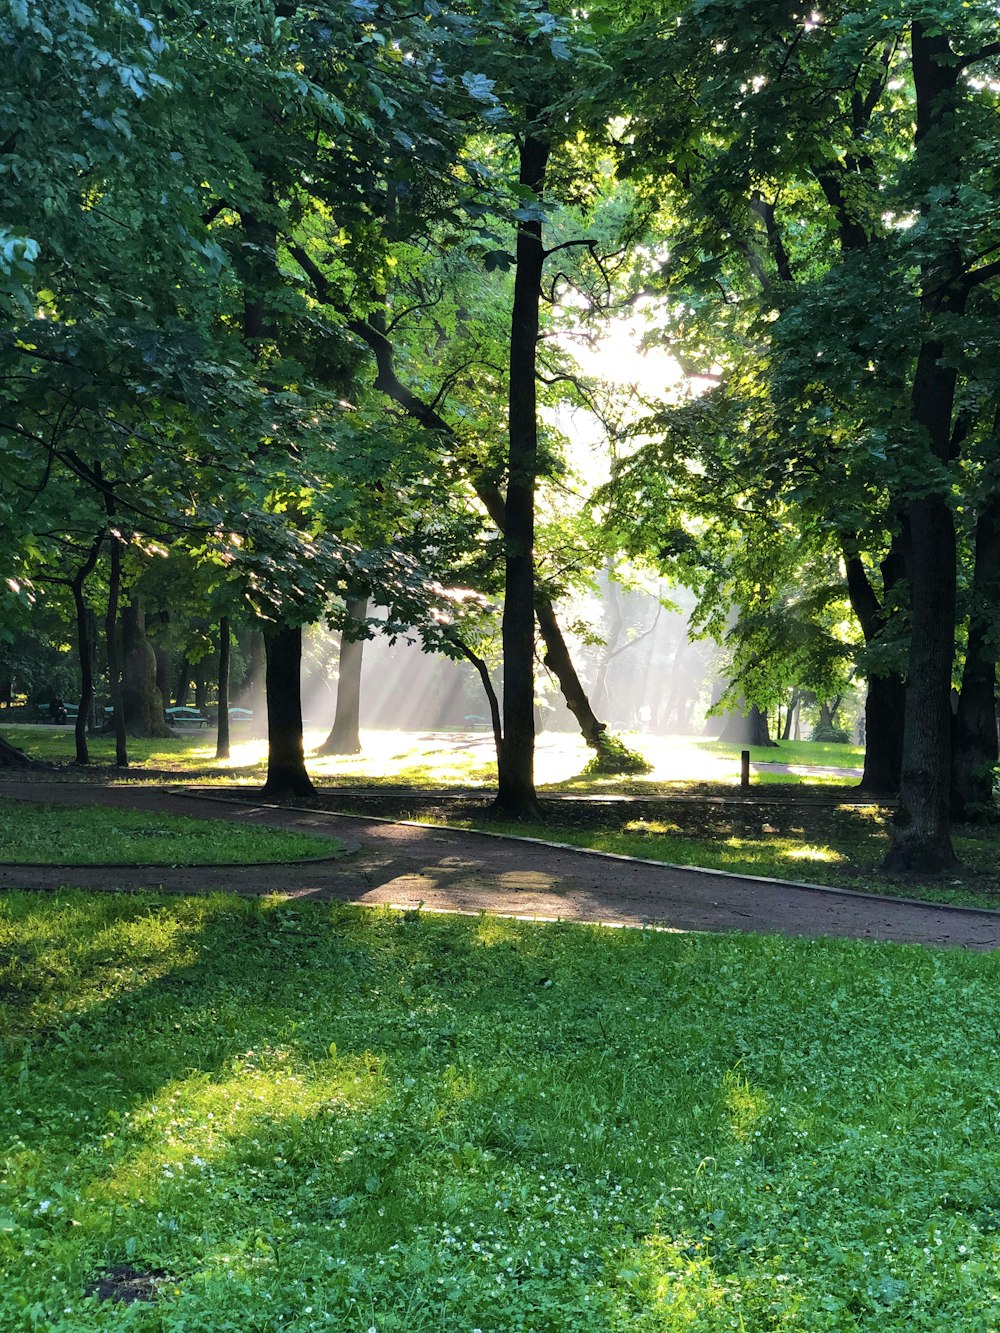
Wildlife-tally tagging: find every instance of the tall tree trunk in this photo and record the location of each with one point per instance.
(85, 650)
(141, 700)
(516, 796)
(183, 683)
(748, 728)
(793, 703)
(974, 753)
(201, 685)
(558, 660)
(225, 649)
(885, 707)
(93, 724)
(114, 656)
(886, 699)
(256, 688)
(921, 835)
(287, 778)
(162, 656)
(345, 734)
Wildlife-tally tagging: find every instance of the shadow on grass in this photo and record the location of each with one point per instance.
(305, 1113)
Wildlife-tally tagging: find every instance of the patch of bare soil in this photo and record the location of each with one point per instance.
(126, 1284)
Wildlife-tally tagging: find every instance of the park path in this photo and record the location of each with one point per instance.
(406, 865)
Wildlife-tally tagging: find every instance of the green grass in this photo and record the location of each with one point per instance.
(839, 845)
(435, 760)
(313, 1117)
(845, 862)
(38, 834)
(819, 753)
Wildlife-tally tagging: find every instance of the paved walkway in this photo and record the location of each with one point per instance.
(410, 866)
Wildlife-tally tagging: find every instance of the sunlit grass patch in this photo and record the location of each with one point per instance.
(39, 834)
(446, 759)
(309, 1116)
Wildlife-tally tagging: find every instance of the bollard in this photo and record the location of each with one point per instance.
(745, 769)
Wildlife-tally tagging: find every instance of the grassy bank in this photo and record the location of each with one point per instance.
(34, 834)
(440, 759)
(314, 1117)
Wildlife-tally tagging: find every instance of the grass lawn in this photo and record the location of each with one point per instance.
(441, 759)
(312, 1116)
(841, 846)
(34, 834)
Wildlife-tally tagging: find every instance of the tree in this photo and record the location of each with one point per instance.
(841, 169)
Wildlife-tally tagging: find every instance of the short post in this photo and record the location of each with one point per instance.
(745, 769)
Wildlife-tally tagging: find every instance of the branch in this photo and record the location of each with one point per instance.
(588, 241)
(986, 52)
(639, 637)
(491, 694)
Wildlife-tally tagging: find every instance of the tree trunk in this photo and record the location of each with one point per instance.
(516, 797)
(162, 656)
(141, 699)
(974, 754)
(201, 685)
(345, 734)
(287, 778)
(747, 728)
(884, 711)
(225, 648)
(183, 683)
(86, 654)
(886, 700)
(256, 686)
(85, 650)
(921, 836)
(557, 659)
(793, 704)
(93, 724)
(114, 657)
(12, 757)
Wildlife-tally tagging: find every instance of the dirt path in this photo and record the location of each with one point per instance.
(408, 866)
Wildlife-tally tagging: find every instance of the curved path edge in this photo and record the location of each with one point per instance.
(411, 865)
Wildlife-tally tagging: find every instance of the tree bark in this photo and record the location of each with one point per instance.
(793, 703)
(974, 753)
(886, 699)
(747, 728)
(516, 797)
(183, 683)
(12, 757)
(93, 723)
(225, 650)
(141, 700)
(85, 649)
(921, 835)
(114, 656)
(558, 660)
(345, 734)
(201, 685)
(287, 778)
